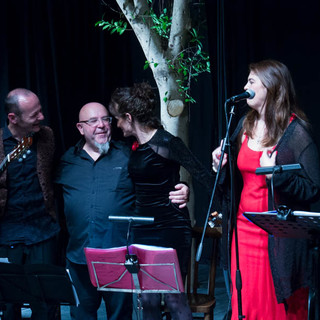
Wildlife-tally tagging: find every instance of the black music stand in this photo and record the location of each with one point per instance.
(35, 283)
(295, 224)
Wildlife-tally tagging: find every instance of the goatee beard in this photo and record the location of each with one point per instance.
(103, 147)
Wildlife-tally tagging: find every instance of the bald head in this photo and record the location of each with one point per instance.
(20, 92)
(14, 99)
(95, 125)
(91, 109)
(24, 112)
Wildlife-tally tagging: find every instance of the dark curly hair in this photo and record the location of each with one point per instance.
(139, 101)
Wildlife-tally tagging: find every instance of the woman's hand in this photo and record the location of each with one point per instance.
(268, 159)
(216, 155)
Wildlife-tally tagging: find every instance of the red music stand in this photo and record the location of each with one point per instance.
(135, 268)
(142, 269)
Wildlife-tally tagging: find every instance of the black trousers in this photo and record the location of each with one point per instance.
(118, 304)
(42, 252)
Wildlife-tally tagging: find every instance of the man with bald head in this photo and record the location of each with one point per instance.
(95, 125)
(28, 226)
(96, 184)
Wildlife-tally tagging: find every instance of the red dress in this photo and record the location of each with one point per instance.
(258, 293)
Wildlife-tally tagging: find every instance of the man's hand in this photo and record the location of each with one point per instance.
(181, 195)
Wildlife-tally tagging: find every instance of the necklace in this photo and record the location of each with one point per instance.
(260, 131)
(258, 136)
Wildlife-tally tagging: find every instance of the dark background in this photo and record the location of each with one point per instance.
(54, 49)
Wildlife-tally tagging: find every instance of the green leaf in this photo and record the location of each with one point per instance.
(187, 65)
(146, 65)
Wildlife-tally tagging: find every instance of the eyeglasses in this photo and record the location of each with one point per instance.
(95, 121)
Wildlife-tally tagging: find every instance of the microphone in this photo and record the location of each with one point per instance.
(278, 168)
(248, 94)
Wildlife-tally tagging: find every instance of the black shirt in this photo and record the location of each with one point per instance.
(93, 190)
(26, 220)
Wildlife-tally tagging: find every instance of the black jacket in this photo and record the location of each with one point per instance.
(290, 259)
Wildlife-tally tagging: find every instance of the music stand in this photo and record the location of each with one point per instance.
(295, 224)
(36, 283)
(157, 271)
(146, 269)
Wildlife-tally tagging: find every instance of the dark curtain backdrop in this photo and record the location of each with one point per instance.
(52, 48)
(247, 31)
(284, 30)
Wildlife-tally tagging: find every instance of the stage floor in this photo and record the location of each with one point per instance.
(219, 310)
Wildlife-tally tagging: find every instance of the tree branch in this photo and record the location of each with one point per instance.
(180, 26)
(149, 40)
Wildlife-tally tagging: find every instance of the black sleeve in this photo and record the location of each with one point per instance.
(304, 185)
(180, 153)
(297, 188)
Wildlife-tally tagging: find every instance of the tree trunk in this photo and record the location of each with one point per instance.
(174, 115)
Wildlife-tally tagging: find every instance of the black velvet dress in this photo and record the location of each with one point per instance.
(154, 168)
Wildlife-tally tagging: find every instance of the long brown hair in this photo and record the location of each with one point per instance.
(280, 100)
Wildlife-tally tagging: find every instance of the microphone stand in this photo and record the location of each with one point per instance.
(225, 143)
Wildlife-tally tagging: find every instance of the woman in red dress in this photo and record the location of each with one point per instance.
(275, 271)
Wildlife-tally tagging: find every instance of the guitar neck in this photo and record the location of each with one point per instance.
(17, 151)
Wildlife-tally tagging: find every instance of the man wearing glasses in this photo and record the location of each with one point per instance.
(96, 184)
